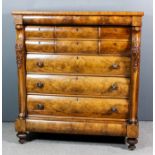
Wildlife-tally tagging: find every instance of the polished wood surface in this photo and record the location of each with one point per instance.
(32, 32)
(49, 32)
(77, 20)
(77, 46)
(77, 106)
(78, 73)
(93, 128)
(78, 85)
(103, 65)
(51, 13)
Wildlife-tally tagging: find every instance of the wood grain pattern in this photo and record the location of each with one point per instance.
(99, 13)
(114, 46)
(103, 65)
(133, 130)
(94, 128)
(20, 125)
(102, 86)
(77, 106)
(77, 20)
(86, 46)
(81, 32)
(20, 59)
(115, 32)
(82, 72)
(76, 32)
(60, 32)
(78, 46)
(40, 46)
(135, 74)
(39, 32)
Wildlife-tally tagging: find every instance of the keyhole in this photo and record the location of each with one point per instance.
(77, 29)
(77, 57)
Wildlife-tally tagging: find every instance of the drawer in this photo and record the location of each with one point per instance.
(77, 106)
(78, 85)
(78, 46)
(97, 65)
(77, 20)
(115, 32)
(76, 32)
(45, 46)
(83, 46)
(33, 32)
(115, 46)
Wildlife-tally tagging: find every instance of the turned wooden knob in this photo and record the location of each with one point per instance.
(40, 64)
(40, 106)
(115, 66)
(114, 109)
(40, 85)
(114, 87)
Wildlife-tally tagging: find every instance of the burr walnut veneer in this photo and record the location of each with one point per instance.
(78, 73)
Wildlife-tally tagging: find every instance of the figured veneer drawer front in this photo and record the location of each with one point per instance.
(115, 32)
(78, 85)
(111, 128)
(95, 65)
(77, 20)
(102, 32)
(78, 46)
(77, 106)
(39, 32)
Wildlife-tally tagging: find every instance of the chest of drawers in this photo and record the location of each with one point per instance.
(78, 73)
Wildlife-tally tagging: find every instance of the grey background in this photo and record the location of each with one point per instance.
(10, 95)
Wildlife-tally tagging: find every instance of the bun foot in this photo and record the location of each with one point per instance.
(22, 137)
(132, 142)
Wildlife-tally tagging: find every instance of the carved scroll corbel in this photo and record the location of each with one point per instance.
(136, 48)
(19, 45)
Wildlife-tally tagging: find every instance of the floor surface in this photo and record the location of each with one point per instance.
(52, 144)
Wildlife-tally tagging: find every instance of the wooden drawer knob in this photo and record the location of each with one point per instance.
(114, 86)
(114, 109)
(40, 106)
(40, 64)
(115, 66)
(40, 85)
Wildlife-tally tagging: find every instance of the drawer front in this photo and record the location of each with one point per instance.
(78, 85)
(115, 46)
(102, 32)
(78, 46)
(115, 32)
(76, 32)
(98, 65)
(32, 32)
(36, 46)
(77, 20)
(77, 106)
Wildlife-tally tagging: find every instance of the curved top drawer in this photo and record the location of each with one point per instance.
(76, 20)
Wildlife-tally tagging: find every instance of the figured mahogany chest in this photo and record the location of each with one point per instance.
(78, 73)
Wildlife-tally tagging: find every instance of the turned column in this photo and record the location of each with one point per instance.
(20, 59)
